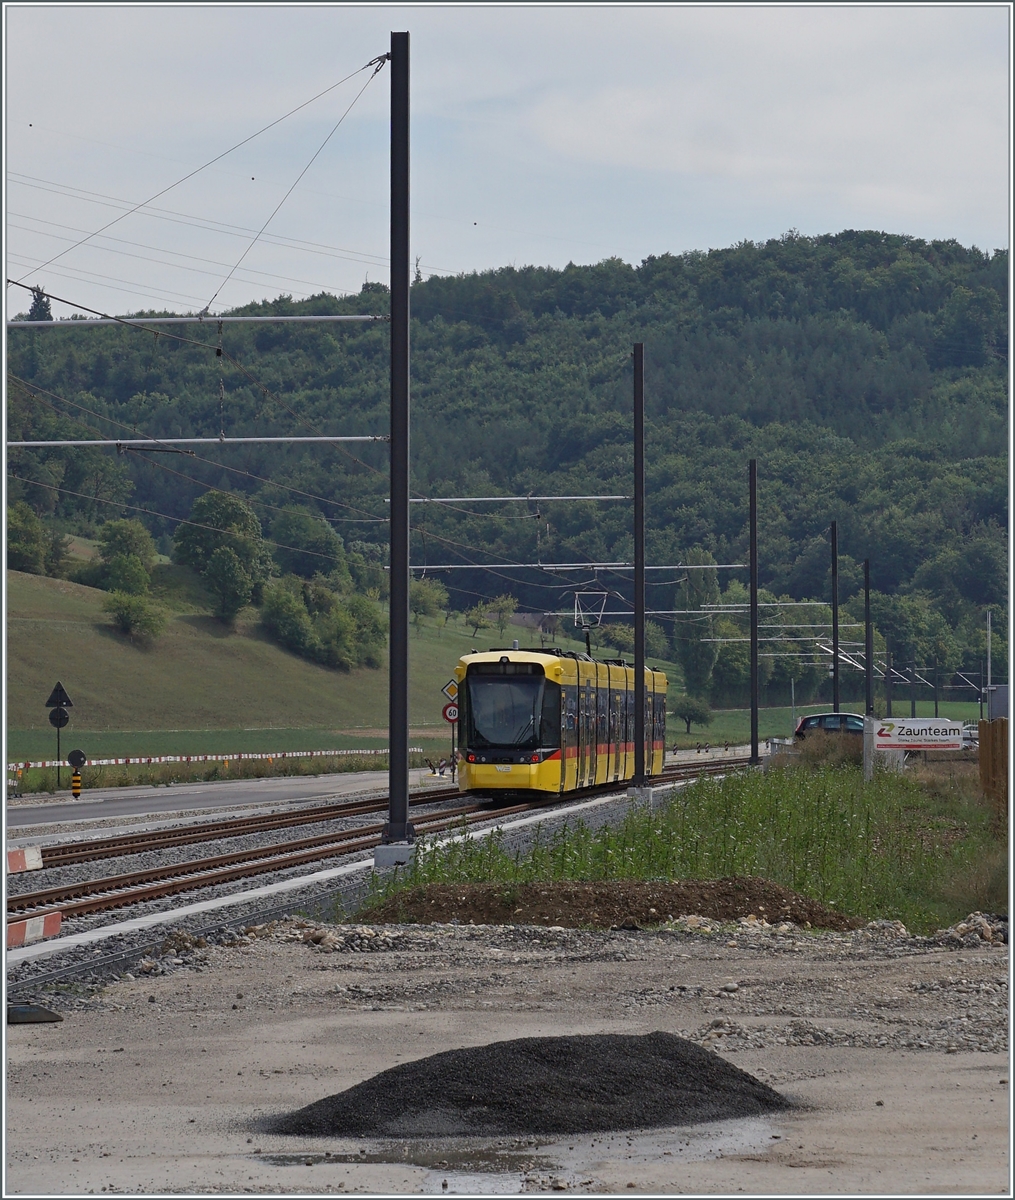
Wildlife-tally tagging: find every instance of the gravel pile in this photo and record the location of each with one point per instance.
(542, 1085)
(360, 939)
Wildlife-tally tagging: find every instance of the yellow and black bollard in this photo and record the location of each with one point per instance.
(75, 784)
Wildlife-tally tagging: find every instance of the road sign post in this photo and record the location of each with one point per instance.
(58, 703)
(450, 714)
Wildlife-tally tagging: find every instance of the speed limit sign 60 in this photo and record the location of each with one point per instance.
(450, 713)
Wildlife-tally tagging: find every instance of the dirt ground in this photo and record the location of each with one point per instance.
(617, 903)
(892, 1048)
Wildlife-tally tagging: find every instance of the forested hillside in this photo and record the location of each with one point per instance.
(865, 371)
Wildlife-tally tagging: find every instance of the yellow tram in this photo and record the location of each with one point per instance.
(552, 721)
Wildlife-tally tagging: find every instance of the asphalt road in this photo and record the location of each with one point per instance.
(104, 803)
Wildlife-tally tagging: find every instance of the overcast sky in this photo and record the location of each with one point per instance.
(540, 135)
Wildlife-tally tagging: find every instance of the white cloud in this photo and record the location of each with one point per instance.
(539, 134)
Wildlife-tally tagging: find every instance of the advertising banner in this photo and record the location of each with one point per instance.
(917, 733)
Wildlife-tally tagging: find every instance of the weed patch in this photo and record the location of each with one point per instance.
(869, 850)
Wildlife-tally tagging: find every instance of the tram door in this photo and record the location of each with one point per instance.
(587, 744)
(616, 728)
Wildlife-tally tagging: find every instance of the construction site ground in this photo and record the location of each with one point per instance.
(893, 1049)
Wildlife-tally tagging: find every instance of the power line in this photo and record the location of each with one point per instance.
(177, 266)
(220, 351)
(380, 63)
(34, 394)
(209, 224)
(190, 174)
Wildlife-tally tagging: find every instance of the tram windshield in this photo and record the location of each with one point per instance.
(516, 711)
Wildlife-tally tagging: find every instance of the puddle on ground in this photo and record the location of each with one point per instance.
(461, 1166)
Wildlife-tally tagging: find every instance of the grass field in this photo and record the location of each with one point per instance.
(204, 689)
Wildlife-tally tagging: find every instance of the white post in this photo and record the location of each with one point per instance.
(792, 701)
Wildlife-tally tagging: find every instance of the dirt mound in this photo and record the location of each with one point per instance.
(580, 1084)
(607, 904)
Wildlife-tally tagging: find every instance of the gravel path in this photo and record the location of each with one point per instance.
(892, 1049)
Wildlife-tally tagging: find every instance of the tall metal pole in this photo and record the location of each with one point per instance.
(753, 480)
(912, 689)
(398, 828)
(888, 681)
(990, 689)
(835, 617)
(639, 562)
(868, 641)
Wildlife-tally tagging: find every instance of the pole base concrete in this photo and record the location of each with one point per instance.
(393, 854)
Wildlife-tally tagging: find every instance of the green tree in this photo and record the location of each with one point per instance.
(136, 616)
(27, 542)
(308, 546)
(503, 609)
(40, 310)
(694, 626)
(126, 573)
(692, 710)
(622, 636)
(427, 598)
(477, 617)
(127, 537)
(228, 581)
(57, 554)
(222, 521)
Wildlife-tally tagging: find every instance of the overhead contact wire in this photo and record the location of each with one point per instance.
(211, 162)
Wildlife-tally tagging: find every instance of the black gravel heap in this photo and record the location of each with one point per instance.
(541, 1085)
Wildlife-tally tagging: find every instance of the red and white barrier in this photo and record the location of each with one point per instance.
(33, 929)
(200, 758)
(27, 859)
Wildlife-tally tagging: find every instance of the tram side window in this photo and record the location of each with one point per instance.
(570, 717)
(549, 724)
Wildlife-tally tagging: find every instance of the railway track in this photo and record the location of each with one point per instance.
(135, 887)
(69, 853)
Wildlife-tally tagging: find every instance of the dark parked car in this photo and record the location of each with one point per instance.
(830, 723)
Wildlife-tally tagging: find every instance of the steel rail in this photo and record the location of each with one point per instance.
(66, 853)
(118, 890)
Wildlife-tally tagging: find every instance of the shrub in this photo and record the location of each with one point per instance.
(821, 749)
(311, 621)
(126, 573)
(285, 617)
(137, 617)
